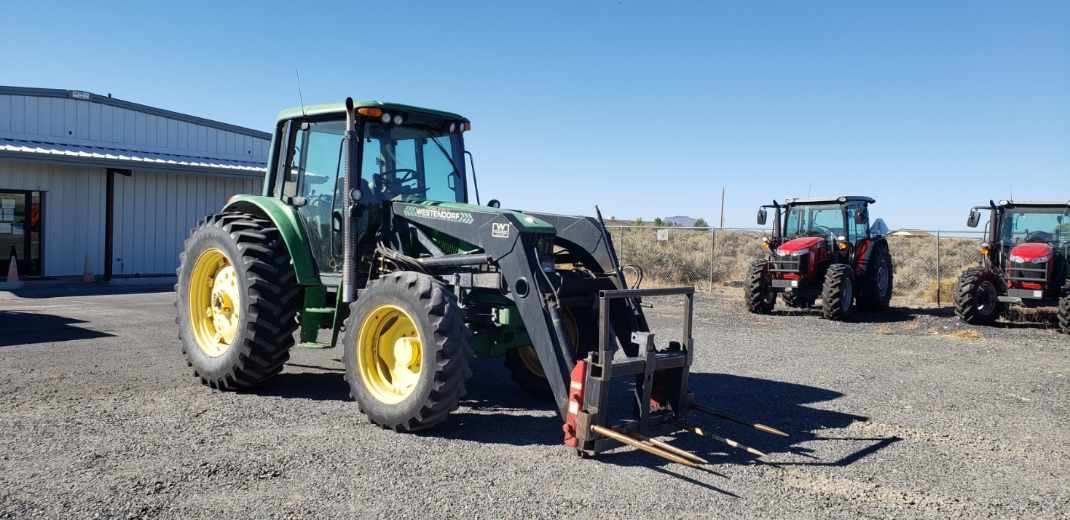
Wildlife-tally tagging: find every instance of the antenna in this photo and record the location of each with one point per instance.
(300, 96)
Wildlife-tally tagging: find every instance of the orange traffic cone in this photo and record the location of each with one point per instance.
(87, 276)
(12, 281)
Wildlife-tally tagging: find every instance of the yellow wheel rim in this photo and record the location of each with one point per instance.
(214, 302)
(389, 353)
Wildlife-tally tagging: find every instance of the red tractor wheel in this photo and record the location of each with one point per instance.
(838, 293)
(759, 296)
(977, 296)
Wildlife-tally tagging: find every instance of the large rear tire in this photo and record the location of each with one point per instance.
(406, 351)
(876, 293)
(977, 296)
(237, 301)
(837, 293)
(758, 294)
(1064, 314)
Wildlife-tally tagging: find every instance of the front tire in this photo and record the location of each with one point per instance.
(758, 294)
(837, 293)
(237, 301)
(977, 296)
(406, 351)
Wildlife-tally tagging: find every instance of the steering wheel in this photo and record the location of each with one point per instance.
(1039, 236)
(820, 231)
(397, 185)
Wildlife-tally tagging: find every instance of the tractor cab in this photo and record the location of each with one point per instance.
(832, 226)
(1025, 258)
(406, 154)
(810, 237)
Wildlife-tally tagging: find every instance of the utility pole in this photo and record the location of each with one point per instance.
(722, 207)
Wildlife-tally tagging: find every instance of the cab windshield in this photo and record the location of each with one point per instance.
(1048, 227)
(413, 163)
(814, 221)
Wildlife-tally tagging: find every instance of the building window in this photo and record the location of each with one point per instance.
(21, 224)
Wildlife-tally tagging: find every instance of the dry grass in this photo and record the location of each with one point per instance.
(964, 334)
(685, 258)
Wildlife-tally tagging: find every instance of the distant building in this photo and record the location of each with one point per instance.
(682, 221)
(91, 179)
(910, 233)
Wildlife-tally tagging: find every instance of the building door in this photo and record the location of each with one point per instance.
(20, 231)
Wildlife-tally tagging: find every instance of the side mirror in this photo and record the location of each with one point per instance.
(762, 216)
(494, 203)
(860, 216)
(975, 217)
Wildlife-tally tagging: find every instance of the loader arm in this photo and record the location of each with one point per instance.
(509, 241)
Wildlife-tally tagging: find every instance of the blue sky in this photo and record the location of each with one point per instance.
(644, 108)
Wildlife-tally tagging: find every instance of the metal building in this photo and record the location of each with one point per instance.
(93, 180)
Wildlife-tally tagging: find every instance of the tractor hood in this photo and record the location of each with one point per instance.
(1031, 253)
(799, 245)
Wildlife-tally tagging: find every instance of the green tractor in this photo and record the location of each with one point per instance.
(365, 228)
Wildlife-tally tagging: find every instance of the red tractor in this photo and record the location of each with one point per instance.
(1025, 260)
(822, 248)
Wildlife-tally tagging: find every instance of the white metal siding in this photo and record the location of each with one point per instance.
(155, 211)
(73, 212)
(83, 122)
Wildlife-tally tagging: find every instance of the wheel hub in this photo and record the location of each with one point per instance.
(847, 297)
(223, 311)
(883, 280)
(214, 302)
(986, 298)
(389, 353)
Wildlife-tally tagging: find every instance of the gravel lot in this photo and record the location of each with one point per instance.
(909, 416)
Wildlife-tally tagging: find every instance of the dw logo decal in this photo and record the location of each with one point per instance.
(500, 230)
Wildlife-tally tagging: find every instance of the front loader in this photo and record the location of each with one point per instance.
(365, 228)
(822, 248)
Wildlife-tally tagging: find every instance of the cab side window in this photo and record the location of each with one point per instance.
(857, 222)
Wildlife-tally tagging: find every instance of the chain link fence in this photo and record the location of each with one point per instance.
(927, 262)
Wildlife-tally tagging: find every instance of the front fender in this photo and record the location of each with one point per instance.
(293, 234)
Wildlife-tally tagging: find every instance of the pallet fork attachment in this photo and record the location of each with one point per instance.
(661, 392)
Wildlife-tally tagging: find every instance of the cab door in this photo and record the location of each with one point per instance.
(313, 184)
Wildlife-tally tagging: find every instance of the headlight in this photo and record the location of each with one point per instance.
(398, 119)
(792, 253)
(386, 118)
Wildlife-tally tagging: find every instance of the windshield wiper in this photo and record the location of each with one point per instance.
(443, 150)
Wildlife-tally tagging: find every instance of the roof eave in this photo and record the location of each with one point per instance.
(132, 164)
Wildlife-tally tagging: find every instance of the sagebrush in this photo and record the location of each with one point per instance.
(719, 258)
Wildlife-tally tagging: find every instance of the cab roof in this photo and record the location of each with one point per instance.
(1031, 204)
(340, 108)
(830, 200)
